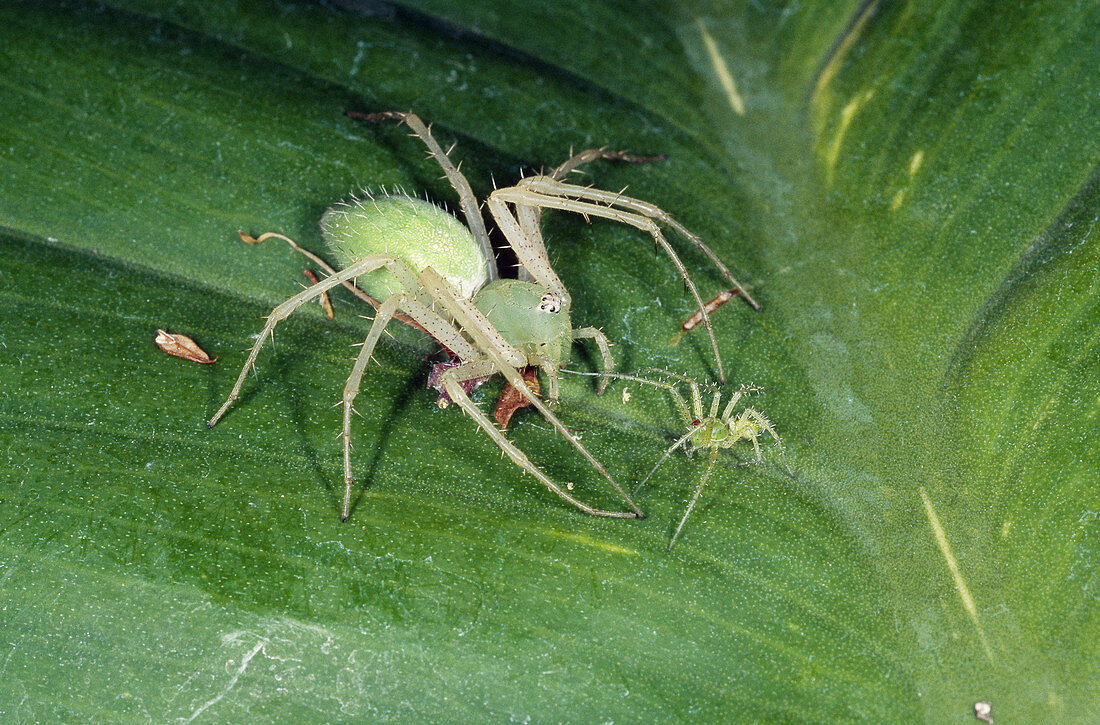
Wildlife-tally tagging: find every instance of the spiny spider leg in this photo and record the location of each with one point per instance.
(528, 217)
(528, 246)
(714, 404)
(470, 208)
(530, 232)
(519, 196)
(348, 285)
(364, 265)
(507, 360)
(746, 390)
(351, 389)
(427, 320)
(604, 345)
(452, 384)
(554, 187)
(589, 155)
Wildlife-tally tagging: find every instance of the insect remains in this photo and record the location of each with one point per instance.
(705, 430)
(417, 263)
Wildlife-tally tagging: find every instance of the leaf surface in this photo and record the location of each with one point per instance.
(911, 191)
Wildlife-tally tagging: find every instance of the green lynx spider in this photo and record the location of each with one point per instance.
(424, 265)
(711, 431)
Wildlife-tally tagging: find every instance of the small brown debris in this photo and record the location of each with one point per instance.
(982, 710)
(323, 299)
(634, 158)
(512, 400)
(720, 299)
(182, 346)
(692, 322)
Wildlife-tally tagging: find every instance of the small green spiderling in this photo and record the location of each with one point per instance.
(419, 264)
(710, 430)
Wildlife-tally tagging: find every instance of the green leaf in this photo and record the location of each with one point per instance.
(912, 190)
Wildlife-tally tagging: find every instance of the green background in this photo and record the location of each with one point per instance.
(912, 190)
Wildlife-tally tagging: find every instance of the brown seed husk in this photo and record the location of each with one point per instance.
(182, 346)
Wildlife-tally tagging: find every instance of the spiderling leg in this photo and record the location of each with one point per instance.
(664, 456)
(767, 425)
(698, 490)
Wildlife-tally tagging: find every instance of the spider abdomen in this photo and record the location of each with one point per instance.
(416, 231)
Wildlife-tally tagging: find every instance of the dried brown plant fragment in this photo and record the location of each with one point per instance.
(182, 346)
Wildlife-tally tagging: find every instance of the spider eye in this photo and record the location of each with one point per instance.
(550, 302)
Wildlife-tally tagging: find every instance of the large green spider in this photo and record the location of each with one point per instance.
(428, 269)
